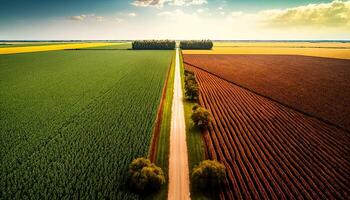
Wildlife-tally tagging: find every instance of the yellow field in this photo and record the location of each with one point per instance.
(26, 49)
(328, 50)
(283, 44)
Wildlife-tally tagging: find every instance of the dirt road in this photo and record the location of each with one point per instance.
(178, 161)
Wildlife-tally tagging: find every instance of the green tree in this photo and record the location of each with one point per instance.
(145, 176)
(191, 90)
(201, 117)
(209, 174)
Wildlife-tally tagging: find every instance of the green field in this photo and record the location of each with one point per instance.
(71, 121)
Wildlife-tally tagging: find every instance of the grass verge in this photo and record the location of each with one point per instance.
(194, 139)
(162, 152)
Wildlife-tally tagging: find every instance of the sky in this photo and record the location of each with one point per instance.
(175, 19)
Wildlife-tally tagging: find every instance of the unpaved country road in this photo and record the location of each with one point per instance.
(178, 161)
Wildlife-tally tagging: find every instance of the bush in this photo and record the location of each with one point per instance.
(153, 44)
(201, 117)
(196, 44)
(145, 176)
(209, 174)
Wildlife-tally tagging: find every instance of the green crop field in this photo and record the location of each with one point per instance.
(72, 121)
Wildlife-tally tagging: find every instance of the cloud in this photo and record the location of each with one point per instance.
(78, 17)
(84, 17)
(132, 14)
(161, 3)
(333, 14)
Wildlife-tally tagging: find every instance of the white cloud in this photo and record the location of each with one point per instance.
(161, 3)
(78, 17)
(85, 17)
(336, 13)
(200, 10)
(132, 14)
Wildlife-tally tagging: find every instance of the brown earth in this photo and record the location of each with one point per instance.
(316, 86)
(271, 151)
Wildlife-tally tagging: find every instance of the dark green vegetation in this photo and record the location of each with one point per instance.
(72, 121)
(209, 174)
(191, 86)
(145, 176)
(201, 117)
(196, 44)
(154, 44)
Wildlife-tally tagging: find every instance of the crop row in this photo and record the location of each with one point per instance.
(271, 152)
(83, 127)
(276, 74)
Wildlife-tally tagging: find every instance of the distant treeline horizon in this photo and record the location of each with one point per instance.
(315, 41)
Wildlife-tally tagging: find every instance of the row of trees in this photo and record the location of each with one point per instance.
(171, 44)
(153, 44)
(147, 177)
(196, 44)
(191, 86)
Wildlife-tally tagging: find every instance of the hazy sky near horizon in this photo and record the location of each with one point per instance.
(174, 19)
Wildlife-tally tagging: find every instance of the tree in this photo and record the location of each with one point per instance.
(201, 117)
(191, 90)
(145, 176)
(209, 174)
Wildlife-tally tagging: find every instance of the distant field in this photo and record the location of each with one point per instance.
(318, 86)
(269, 150)
(50, 47)
(24, 44)
(284, 44)
(331, 50)
(71, 121)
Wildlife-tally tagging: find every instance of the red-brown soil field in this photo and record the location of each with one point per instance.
(272, 151)
(316, 86)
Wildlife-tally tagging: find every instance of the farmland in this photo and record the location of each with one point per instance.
(49, 47)
(72, 121)
(317, 86)
(271, 151)
(327, 50)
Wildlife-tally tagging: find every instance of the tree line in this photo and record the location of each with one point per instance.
(196, 44)
(171, 44)
(153, 44)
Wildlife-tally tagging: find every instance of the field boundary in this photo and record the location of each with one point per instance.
(272, 99)
(158, 122)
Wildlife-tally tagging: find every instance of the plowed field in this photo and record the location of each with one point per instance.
(271, 151)
(316, 86)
